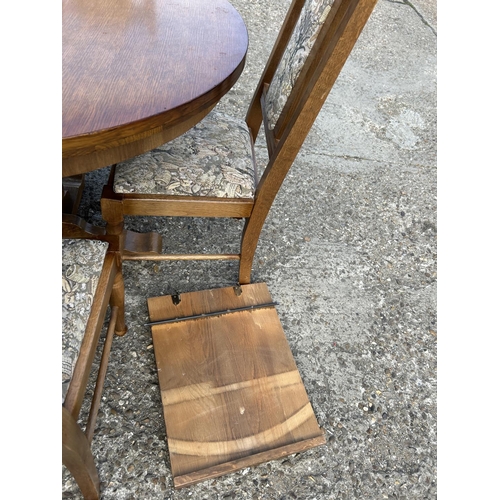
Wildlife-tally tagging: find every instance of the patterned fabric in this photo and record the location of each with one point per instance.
(312, 17)
(214, 158)
(82, 262)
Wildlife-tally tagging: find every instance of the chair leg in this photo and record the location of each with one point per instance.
(77, 457)
(249, 240)
(267, 190)
(112, 213)
(118, 299)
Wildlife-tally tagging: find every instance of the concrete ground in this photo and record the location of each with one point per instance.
(348, 251)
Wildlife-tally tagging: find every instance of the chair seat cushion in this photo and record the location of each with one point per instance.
(214, 158)
(82, 262)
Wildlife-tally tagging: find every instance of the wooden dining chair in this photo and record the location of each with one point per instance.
(91, 280)
(210, 171)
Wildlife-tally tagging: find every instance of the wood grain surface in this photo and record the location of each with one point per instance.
(133, 67)
(232, 395)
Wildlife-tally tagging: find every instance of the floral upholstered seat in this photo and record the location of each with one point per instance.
(82, 262)
(212, 159)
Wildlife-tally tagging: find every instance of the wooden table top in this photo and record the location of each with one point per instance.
(137, 73)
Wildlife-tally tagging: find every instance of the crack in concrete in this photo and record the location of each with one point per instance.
(406, 2)
(360, 158)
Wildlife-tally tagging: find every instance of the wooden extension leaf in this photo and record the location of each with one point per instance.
(231, 392)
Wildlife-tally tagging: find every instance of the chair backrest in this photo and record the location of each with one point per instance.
(312, 47)
(314, 43)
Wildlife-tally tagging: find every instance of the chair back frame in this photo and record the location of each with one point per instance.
(76, 452)
(335, 42)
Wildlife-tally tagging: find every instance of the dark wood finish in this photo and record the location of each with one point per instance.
(334, 43)
(72, 193)
(96, 399)
(232, 395)
(77, 456)
(343, 27)
(140, 143)
(141, 242)
(76, 227)
(132, 255)
(76, 452)
(137, 74)
(187, 206)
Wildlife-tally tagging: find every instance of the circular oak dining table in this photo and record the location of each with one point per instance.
(138, 73)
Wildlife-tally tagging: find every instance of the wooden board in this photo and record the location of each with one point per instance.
(231, 392)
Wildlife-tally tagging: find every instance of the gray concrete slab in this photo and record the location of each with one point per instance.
(349, 252)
